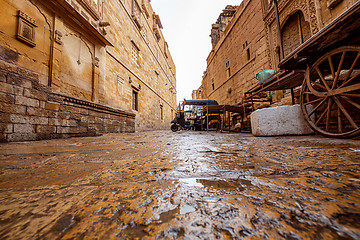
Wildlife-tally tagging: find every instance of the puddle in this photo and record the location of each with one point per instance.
(210, 199)
(355, 150)
(191, 182)
(225, 184)
(137, 231)
(169, 215)
(228, 184)
(186, 209)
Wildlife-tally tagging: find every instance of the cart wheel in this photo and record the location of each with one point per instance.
(330, 96)
(174, 127)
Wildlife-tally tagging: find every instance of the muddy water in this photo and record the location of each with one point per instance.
(187, 185)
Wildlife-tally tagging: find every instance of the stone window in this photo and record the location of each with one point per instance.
(157, 25)
(135, 100)
(26, 29)
(136, 13)
(213, 85)
(228, 71)
(247, 51)
(135, 52)
(161, 112)
(156, 77)
(248, 56)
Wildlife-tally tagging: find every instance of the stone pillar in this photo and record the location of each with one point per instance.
(95, 80)
(55, 61)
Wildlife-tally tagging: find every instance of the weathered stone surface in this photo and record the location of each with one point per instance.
(6, 128)
(39, 120)
(6, 98)
(18, 91)
(35, 94)
(19, 137)
(184, 185)
(2, 75)
(40, 87)
(6, 88)
(93, 81)
(52, 106)
(55, 98)
(14, 79)
(5, 117)
(20, 100)
(18, 118)
(57, 122)
(24, 128)
(45, 129)
(8, 67)
(28, 73)
(284, 120)
(40, 112)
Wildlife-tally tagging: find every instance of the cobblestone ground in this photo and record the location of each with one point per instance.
(190, 185)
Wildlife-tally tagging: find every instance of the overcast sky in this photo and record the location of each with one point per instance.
(187, 26)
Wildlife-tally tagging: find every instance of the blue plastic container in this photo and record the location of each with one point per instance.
(265, 74)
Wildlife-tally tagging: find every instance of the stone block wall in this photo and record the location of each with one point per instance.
(237, 57)
(100, 53)
(29, 110)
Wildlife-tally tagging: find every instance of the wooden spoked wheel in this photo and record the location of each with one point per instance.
(330, 96)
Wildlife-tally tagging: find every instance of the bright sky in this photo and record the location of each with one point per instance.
(187, 26)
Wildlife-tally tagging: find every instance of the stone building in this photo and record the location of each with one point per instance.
(239, 50)
(251, 43)
(82, 67)
(299, 20)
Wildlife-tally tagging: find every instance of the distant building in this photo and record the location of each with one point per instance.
(83, 67)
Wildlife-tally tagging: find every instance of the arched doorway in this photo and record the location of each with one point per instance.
(294, 32)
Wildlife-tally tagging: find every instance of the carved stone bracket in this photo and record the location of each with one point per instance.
(96, 61)
(58, 37)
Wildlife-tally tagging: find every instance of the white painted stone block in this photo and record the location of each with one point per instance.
(284, 120)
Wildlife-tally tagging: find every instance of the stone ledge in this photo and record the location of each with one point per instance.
(76, 102)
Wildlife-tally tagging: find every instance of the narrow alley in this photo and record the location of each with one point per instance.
(189, 185)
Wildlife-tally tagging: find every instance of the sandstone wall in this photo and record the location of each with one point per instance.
(238, 56)
(100, 52)
(29, 110)
(152, 74)
(250, 44)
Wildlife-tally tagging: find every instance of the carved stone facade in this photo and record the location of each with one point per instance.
(82, 49)
(316, 14)
(253, 36)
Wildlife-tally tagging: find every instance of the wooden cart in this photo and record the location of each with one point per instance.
(330, 94)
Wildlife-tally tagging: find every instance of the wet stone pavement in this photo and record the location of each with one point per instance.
(184, 185)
